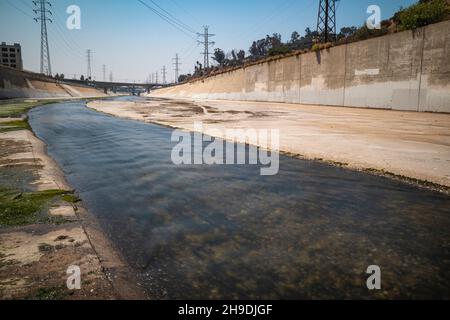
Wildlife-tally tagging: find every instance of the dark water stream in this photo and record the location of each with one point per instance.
(199, 232)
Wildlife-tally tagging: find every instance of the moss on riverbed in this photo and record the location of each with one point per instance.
(18, 209)
(14, 125)
(70, 198)
(17, 108)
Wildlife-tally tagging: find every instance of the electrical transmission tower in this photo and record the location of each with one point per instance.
(326, 20)
(104, 72)
(41, 12)
(156, 77)
(177, 67)
(111, 77)
(164, 72)
(89, 63)
(206, 35)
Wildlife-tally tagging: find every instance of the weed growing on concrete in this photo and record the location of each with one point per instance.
(18, 209)
(14, 125)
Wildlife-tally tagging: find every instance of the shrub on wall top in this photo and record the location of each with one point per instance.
(421, 14)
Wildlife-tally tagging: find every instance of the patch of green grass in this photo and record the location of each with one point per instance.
(55, 293)
(16, 109)
(18, 209)
(14, 125)
(70, 198)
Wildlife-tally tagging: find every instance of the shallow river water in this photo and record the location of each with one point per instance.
(198, 232)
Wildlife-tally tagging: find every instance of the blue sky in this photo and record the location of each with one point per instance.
(133, 42)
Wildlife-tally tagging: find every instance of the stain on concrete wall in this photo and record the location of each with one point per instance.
(402, 71)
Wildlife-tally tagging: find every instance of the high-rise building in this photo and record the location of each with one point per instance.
(11, 55)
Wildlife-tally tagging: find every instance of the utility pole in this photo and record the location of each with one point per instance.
(177, 67)
(164, 72)
(326, 20)
(111, 77)
(206, 35)
(41, 11)
(89, 61)
(104, 72)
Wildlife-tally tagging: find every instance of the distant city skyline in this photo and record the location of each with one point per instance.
(133, 42)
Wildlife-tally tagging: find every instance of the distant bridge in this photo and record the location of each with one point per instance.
(133, 88)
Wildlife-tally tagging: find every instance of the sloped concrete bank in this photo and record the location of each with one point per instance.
(21, 84)
(407, 71)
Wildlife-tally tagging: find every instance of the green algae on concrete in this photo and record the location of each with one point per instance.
(70, 198)
(17, 108)
(18, 209)
(14, 125)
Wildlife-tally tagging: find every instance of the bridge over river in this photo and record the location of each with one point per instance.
(133, 88)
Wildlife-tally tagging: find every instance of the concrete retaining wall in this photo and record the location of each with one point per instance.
(20, 84)
(403, 71)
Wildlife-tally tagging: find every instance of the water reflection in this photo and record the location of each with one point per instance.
(226, 232)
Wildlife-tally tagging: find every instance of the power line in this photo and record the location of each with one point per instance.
(42, 11)
(72, 51)
(206, 35)
(19, 9)
(70, 41)
(169, 20)
(61, 46)
(26, 4)
(178, 21)
(184, 10)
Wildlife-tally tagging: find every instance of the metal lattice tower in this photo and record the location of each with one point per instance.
(89, 63)
(326, 20)
(206, 35)
(104, 72)
(164, 72)
(177, 67)
(156, 77)
(41, 12)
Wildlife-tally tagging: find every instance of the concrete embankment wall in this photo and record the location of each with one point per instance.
(402, 71)
(21, 84)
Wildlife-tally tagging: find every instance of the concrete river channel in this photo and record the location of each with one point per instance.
(210, 232)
